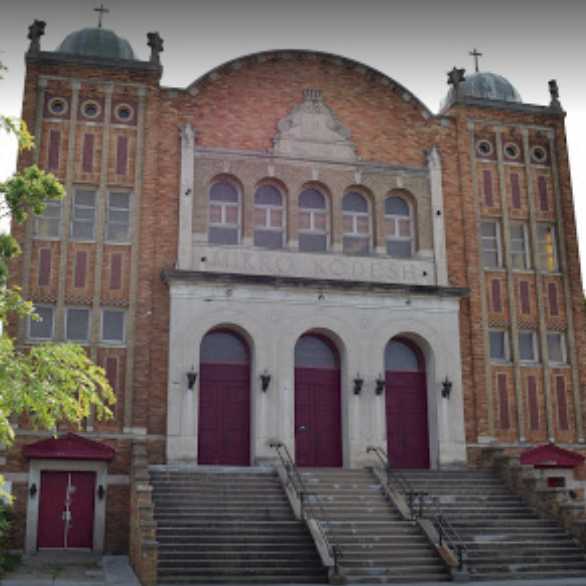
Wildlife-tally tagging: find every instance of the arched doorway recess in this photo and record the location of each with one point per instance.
(318, 430)
(224, 400)
(406, 405)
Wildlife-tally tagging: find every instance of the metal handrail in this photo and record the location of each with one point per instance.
(399, 483)
(446, 531)
(422, 505)
(310, 502)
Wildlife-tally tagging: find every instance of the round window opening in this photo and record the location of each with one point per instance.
(57, 106)
(538, 154)
(511, 151)
(124, 112)
(91, 109)
(484, 148)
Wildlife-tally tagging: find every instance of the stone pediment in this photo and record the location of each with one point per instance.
(312, 131)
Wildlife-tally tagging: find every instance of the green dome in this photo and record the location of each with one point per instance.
(485, 86)
(97, 42)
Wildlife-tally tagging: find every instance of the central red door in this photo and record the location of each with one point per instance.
(224, 401)
(317, 404)
(406, 406)
(66, 510)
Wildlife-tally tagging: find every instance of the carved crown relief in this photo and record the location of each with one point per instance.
(312, 131)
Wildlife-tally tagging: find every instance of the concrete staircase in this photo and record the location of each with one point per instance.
(226, 525)
(505, 538)
(377, 545)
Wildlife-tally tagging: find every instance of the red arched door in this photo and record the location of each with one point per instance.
(318, 438)
(224, 400)
(406, 405)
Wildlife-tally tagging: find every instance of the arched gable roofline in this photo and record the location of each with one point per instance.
(288, 54)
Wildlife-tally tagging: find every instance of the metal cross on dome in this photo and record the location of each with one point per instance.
(476, 54)
(101, 11)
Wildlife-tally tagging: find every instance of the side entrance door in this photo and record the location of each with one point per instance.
(66, 510)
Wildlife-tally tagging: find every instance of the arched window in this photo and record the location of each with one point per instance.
(268, 217)
(313, 221)
(356, 224)
(313, 351)
(223, 347)
(399, 227)
(402, 356)
(224, 213)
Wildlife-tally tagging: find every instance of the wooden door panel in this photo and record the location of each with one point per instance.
(81, 528)
(51, 525)
(318, 410)
(224, 415)
(407, 423)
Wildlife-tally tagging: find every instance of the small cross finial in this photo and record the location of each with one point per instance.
(476, 54)
(101, 11)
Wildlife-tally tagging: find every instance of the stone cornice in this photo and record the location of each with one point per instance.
(174, 275)
(55, 58)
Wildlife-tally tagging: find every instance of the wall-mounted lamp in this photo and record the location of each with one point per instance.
(446, 388)
(358, 384)
(379, 385)
(101, 492)
(191, 378)
(265, 380)
(33, 490)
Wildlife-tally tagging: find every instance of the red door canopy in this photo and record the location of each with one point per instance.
(66, 510)
(551, 456)
(224, 401)
(68, 447)
(318, 438)
(406, 406)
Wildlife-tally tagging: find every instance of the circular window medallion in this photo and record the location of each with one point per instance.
(484, 148)
(91, 109)
(57, 106)
(538, 154)
(512, 151)
(124, 112)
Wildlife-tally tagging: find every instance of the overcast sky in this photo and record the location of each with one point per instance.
(413, 41)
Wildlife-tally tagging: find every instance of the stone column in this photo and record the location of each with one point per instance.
(434, 166)
(186, 195)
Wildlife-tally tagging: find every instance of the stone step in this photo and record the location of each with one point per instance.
(241, 579)
(221, 515)
(245, 546)
(181, 571)
(498, 565)
(421, 578)
(527, 557)
(528, 575)
(398, 570)
(236, 560)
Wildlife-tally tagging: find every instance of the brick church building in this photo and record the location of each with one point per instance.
(292, 249)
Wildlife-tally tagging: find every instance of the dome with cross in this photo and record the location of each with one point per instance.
(488, 86)
(97, 42)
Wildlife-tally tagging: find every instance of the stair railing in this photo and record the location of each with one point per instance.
(396, 481)
(422, 505)
(311, 507)
(448, 534)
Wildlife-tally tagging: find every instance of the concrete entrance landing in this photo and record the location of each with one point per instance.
(69, 568)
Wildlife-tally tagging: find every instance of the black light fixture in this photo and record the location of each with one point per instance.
(358, 384)
(101, 492)
(33, 490)
(265, 380)
(446, 388)
(191, 378)
(379, 385)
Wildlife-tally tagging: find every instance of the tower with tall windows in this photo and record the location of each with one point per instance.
(312, 258)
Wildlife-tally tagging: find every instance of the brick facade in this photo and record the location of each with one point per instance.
(237, 108)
